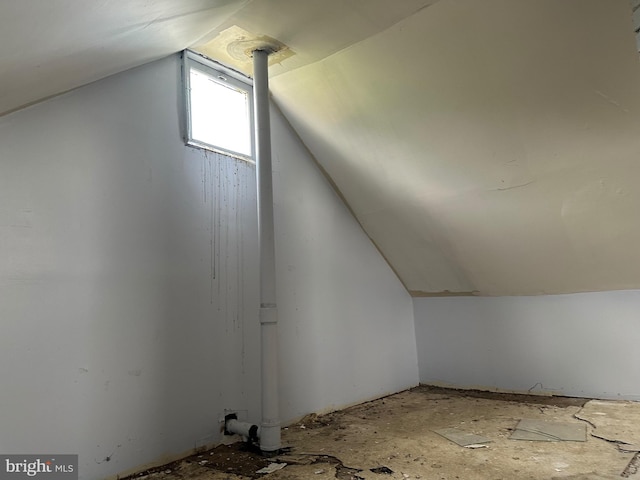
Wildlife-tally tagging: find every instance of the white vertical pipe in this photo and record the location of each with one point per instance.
(268, 314)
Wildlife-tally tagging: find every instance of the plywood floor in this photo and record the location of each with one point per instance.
(394, 438)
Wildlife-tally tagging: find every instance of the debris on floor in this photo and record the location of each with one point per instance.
(272, 467)
(464, 439)
(588, 476)
(623, 447)
(543, 431)
(633, 468)
(616, 423)
(383, 469)
(612, 421)
(400, 437)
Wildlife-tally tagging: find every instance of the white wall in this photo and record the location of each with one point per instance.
(574, 345)
(127, 266)
(346, 321)
(128, 282)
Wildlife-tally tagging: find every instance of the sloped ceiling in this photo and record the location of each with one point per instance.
(51, 46)
(486, 146)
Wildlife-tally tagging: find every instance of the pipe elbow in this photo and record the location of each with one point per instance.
(249, 431)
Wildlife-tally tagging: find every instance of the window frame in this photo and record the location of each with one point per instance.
(224, 76)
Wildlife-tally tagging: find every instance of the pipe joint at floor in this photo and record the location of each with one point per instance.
(248, 431)
(270, 436)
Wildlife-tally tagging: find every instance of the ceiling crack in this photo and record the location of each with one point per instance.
(501, 189)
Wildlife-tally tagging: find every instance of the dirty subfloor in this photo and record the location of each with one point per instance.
(394, 438)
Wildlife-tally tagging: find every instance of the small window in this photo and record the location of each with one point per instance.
(219, 107)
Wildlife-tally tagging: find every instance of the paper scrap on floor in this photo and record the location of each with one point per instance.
(542, 431)
(272, 467)
(464, 439)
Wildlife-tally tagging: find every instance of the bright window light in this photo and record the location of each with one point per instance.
(219, 110)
